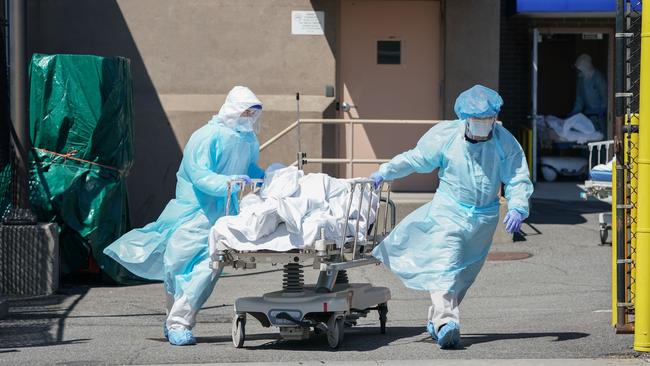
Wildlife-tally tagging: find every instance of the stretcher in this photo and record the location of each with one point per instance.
(599, 182)
(333, 302)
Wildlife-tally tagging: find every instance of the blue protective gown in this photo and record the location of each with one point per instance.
(591, 99)
(442, 245)
(174, 248)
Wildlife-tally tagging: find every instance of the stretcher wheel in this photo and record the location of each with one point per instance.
(238, 330)
(383, 311)
(335, 331)
(604, 233)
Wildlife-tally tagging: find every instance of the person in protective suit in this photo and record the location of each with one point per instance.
(174, 248)
(591, 93)
(441, 246)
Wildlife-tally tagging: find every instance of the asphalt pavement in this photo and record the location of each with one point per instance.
(556, 304)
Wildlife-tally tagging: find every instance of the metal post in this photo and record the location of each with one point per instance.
(619, 238)
(534, 97)
(298, 121)
(5, 139)
(18, 102)
(642, 298)
(351, 150)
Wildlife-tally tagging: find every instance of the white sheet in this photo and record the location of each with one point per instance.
(290, 211)
(605, 167)
(577, 128)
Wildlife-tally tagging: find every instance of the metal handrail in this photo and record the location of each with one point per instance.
(350, 161)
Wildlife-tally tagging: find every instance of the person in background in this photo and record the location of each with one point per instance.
(591, 93)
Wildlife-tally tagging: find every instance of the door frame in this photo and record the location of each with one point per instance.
(537, 33)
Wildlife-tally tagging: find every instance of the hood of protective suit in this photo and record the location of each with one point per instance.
(583, 63)
(239, 99)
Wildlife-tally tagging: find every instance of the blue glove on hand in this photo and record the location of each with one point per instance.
(245, 178)
(513, 221)
(376, 178)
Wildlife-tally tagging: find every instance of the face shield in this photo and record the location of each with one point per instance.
(480, 128)
(248, 121)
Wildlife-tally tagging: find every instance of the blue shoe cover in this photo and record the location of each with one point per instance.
(432, 330)
(165, 330)
(449, 335)
(181, 337)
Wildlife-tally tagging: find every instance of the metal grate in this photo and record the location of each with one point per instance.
(632, 81)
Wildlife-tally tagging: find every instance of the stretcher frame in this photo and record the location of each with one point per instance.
(332, 303)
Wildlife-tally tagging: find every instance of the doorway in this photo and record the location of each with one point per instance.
(562, 156)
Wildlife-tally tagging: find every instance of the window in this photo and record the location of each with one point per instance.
(389, 52)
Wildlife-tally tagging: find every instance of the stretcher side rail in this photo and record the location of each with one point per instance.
(600, 185)
(600, 152)
(325, 254)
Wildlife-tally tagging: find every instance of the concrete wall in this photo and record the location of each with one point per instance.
(471, 47)
(186, 55)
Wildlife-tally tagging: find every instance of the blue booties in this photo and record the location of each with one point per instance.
(181, 337)
(432, 330)
(449, 335)
(165, 330)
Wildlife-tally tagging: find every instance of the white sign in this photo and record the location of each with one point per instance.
(307, 22)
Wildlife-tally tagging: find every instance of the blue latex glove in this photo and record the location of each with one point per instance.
(513, 221)
(245, 178)
(376, 178)
(236, 187)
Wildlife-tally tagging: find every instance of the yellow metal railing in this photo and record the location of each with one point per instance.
(631, 184)
(526, 141)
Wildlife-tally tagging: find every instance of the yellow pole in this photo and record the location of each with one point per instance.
(642, 300)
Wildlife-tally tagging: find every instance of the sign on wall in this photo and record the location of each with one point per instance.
(307, 22)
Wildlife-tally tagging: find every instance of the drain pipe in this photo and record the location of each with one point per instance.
(642, 298)
(18, 98)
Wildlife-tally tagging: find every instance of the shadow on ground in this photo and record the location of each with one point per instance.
(368, 338)
(39, 321)
(563, 213)
(469, 340)
(362, 338)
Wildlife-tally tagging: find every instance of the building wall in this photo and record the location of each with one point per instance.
(471, 47)
(185, 57)
(515, 59)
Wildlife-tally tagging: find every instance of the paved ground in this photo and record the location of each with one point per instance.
(554, 304)
(450, 362)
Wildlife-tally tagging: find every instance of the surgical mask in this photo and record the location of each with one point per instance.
(480, 128)
(246, 124)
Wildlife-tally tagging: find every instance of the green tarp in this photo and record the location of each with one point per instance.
(81, 127)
